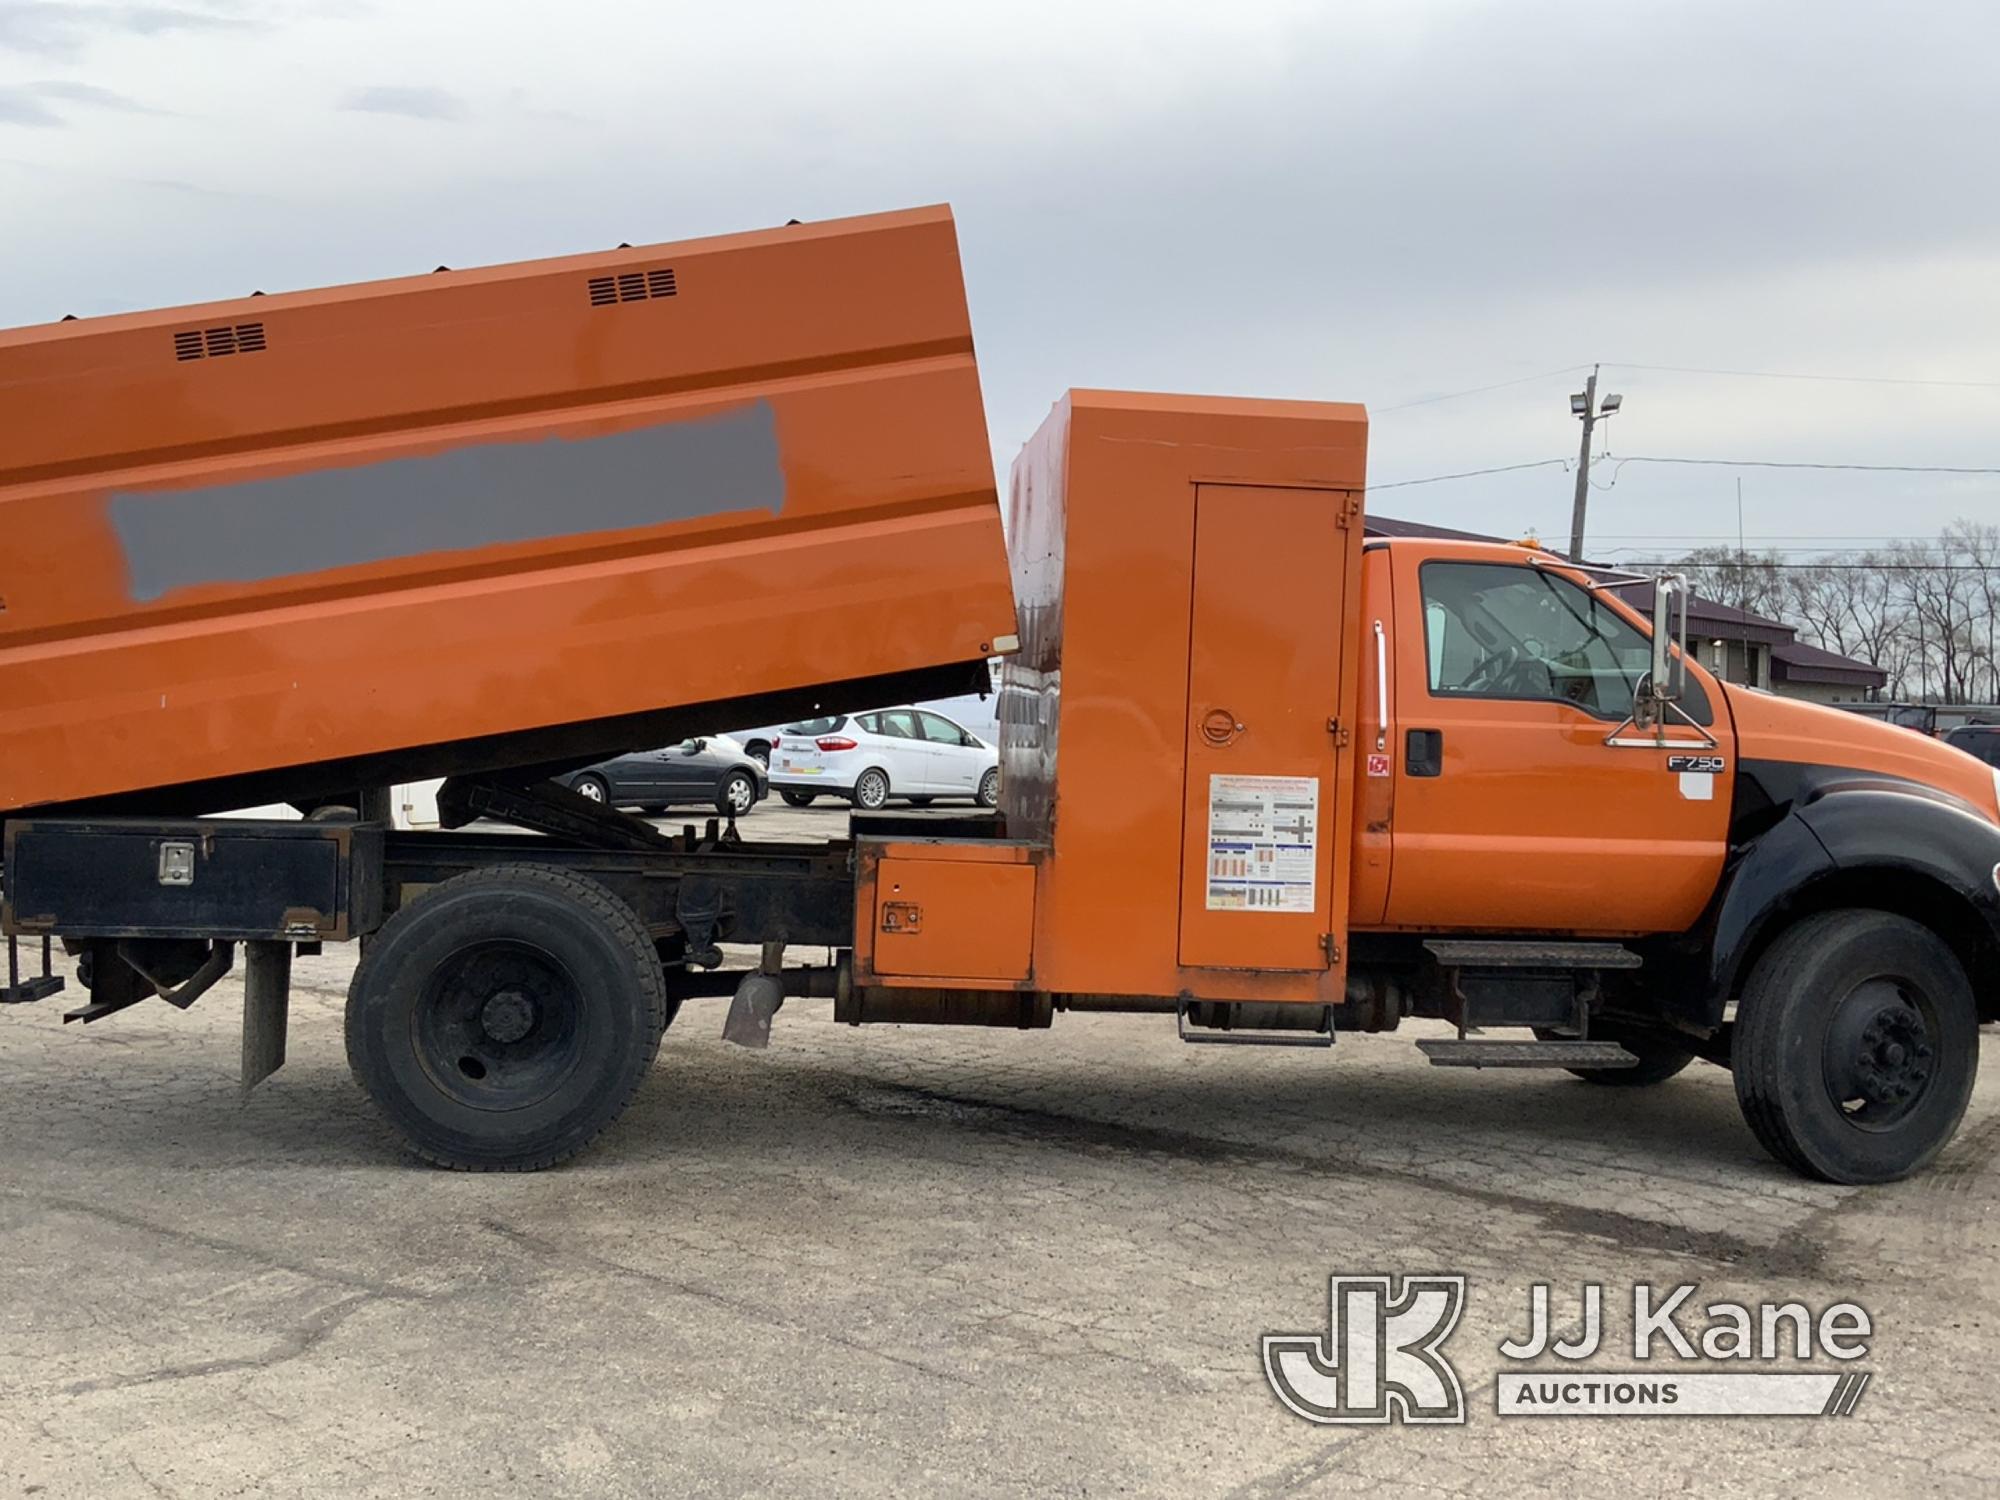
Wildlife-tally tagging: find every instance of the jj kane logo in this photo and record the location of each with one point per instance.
(1382, 1357)
(1380, 1361)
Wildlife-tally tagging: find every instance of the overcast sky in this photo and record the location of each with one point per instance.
(1375, 202)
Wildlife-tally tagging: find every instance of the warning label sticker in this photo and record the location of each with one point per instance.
(1263, 843)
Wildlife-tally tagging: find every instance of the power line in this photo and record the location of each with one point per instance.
(1772, 463)
(1788, 542)
(1979, 385)
(1540, 463)
(1759, 565)
(1765, 536)
(1478, 390)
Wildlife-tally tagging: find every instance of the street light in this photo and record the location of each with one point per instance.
(1583, 405)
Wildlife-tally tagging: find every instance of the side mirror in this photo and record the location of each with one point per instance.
(695, 747)
(1667, 676)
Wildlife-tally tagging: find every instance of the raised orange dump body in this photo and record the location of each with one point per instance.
(490, 517)
(1177, 772)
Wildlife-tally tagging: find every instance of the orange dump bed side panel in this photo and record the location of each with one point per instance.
(389, 518)
(1187, 571)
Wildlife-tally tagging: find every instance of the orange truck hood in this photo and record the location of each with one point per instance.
(1784, 729)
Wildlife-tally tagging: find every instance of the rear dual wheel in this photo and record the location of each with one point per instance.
(504, 1018)
(1661, 1055)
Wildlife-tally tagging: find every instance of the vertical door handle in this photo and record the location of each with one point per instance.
(1381, 688)
(1423, 752)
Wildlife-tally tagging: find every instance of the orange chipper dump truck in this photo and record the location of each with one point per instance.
(1258, 774)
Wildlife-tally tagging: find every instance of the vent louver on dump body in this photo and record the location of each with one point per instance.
(632, 286)
(213, 343)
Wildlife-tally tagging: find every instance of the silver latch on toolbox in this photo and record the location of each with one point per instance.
(176, 862)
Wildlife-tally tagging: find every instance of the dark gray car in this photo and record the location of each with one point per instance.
(712, 772)
(1982, 740)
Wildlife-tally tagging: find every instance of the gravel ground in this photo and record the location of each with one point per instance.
(903, 1261)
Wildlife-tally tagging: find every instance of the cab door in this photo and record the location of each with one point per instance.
(1524, 799)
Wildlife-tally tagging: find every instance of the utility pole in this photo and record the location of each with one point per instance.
(1584, 404)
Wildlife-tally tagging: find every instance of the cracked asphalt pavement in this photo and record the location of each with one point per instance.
(894, 1260)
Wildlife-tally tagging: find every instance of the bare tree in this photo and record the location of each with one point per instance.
(1926, 613)
(1738, 579)
(1977, 546)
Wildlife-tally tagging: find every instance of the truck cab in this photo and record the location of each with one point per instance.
(1510, 766)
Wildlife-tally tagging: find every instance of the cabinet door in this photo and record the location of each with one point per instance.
(1263, 684)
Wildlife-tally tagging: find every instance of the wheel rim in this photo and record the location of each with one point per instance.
(590, 791)
(874, 790)
(989, 788)
(499, 1025)
(739, 794)
(1879, 1060)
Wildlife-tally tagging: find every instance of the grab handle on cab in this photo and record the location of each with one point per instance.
(1381, 688)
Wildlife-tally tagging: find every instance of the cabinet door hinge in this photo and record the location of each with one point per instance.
(1330, 948)
(1339, 732)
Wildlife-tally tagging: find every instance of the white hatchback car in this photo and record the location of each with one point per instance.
(910, 753)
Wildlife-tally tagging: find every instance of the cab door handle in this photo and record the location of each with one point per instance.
(1423, 752)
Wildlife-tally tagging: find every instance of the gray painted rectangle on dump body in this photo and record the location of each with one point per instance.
(482, 495)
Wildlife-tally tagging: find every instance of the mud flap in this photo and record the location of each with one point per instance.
(267, 993)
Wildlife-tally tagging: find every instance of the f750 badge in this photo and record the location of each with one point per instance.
(1711, 765)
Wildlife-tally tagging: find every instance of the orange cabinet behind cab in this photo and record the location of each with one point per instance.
(958, 911)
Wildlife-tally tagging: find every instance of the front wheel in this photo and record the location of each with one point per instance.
(737, 794)
(871, 789)
(797, 799)
(1856, 1043)
(989, 788)
(591, 788)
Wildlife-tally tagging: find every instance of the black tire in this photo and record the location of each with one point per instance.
(1661, 1055)
(760, 752)
(921, 801)
(736, 794)
(989, 788)
(797, 799)
(871, 789)
(504, 1018)
(1855, 1048)
(596, 788)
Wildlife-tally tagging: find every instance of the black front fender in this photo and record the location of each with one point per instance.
(1883, 844)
